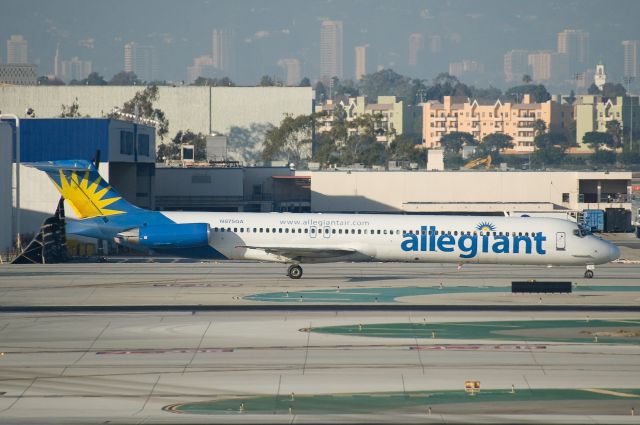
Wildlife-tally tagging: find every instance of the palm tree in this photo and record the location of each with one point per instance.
(539, 127)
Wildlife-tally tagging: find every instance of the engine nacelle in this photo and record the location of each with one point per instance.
(188, 235)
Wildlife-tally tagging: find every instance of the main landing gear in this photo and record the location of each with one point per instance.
(589, 272)
(294, 271)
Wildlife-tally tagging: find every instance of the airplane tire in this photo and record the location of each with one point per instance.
(294, 272)
(588, 274)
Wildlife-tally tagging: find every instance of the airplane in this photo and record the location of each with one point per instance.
(295, 239)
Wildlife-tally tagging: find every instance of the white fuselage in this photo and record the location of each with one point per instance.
(308, 238)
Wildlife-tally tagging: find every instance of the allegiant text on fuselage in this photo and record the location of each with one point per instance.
(430, 239)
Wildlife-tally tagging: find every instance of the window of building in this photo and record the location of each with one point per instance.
(143, 144)
(126, 142)
(565, 197)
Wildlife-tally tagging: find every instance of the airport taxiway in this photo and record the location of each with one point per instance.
(196, 366)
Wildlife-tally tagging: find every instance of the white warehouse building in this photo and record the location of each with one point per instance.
(241, 113)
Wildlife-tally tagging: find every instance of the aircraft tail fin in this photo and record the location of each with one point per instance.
(81, 185)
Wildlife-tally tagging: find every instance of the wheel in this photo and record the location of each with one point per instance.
(294, 271)
(588, 274)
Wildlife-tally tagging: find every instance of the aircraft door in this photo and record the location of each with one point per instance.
(326, 232)
(313, 231)
(561, 241)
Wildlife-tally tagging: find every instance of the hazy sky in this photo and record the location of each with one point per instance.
(267, 30)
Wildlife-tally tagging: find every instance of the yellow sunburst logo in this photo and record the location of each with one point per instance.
(86, 198)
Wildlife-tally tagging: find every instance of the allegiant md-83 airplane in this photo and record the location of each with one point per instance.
(295, 239)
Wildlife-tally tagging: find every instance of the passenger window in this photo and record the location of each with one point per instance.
(378, 231)
(333, 231)
(391, 232)
(313, 230)
(455, 233)
(280, 230)
(353, 231)
(222, 229)
(242, 230)
(266, 230)
(306, 230)
(359, 231)
(286, 230)
(228, 229)
(273, 230)
(215, 229)
(235, 229)
(326, 231)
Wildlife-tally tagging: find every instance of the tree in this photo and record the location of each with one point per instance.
(214, 82)
(491, 93)
(385, 83)
(47, 81)
(539, 127)
(144, 99)
(454, 141)
(608, 90)
(538, 93)
(492, 144)
(199, 142)
(93, 79)
(71, 111)
(596, 140)
(550, 148)
(305, 82)
(291, 140)
(321, 92)
(615, 130)
(267, 81)
(446, 85)
(408, 147)
(124, 78)
(526, 79)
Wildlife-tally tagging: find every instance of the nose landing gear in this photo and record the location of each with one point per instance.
(294, 271)
(589, 272)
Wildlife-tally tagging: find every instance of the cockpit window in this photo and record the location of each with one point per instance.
(581, 231)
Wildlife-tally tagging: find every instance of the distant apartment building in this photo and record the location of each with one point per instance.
(459, 69)
(416, 44)
(222, 50)
(361, 61)
(75, 69)
(17, 50)
(546, 66)
(593, 113)
(631, 57)
(141, 60)
(18, 74)
(331, 53)
(291, 69)
(516, 65)
(574, 44)
(395, 117)
(481, 118)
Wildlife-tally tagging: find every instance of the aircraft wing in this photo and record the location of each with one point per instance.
(300, 252)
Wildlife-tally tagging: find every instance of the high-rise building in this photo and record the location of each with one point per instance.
(291, 69)
(222, 51)
(57, 70)
(141, 60)
(435, 43)
(458, 69)
(546, 66)
(631, 58)
(17, 49)
(600, 77)
(416, 43)
(331, 50)
(75, 69)
(202, 67)
(574, 44)
(361, 61)
(516, 65)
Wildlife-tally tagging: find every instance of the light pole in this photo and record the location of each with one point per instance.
(628, 81)
(17, 120)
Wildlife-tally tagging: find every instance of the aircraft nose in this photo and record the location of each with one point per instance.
(614, 252)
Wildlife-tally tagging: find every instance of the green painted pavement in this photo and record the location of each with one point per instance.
(387, 402)
(578, 331)
(390, 295)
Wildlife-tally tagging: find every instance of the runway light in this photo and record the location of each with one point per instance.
(290, 410)
(429, 410)
(292, 396)
(513, 389)
(241, 407)
(633, 411)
